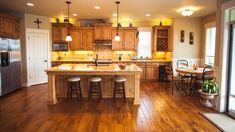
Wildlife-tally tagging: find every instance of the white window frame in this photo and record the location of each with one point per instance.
(207, 26)
(147, 29)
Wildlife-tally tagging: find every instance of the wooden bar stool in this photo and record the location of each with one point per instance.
(119, 87)
(74, 87)
(95, 88)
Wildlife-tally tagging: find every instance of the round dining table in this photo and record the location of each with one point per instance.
(193, 73)
(190, 70)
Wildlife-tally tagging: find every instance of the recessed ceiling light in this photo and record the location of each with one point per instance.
(148, 15)
(30, 4)
(97, 7)
(114, 14)
(75, 14)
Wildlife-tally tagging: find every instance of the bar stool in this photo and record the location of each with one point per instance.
(95, 88)
(74, 87)
(119, 87)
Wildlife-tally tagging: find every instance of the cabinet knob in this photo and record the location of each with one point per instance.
(45, 60)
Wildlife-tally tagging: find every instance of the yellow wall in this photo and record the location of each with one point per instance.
(185, 50)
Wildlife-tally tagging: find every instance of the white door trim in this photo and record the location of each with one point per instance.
(28, 30)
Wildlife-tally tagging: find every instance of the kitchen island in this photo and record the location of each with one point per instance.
(58, 75)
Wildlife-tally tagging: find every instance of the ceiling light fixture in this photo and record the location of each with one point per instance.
(148, 15)
(114, 14)
(68, 37)
(30, 4)
(75, 14)
(117, 37)
(97, 7)
(187, 12)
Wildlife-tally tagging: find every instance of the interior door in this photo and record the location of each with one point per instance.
(231, 80)
(37, 57)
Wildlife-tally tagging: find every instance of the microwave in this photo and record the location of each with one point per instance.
(60, 47)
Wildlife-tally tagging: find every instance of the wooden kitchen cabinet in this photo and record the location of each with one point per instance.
(76, 43)
(161, 38)
(118, 45)
(59, 32)
(103, 31)
(9, 26)
(128, 39)
(87, 39)
(82, 38)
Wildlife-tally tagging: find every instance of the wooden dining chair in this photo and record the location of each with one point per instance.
(207, 74)
(175, 82)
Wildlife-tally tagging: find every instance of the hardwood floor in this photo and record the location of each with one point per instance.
(27, 110)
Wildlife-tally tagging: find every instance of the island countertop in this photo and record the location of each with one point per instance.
(58, 74)
(89, 69)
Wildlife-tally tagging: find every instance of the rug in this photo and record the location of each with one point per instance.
(221, 121)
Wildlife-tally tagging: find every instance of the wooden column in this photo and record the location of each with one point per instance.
(51, 90)
(137, 90)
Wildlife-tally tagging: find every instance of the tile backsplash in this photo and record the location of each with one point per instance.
(105, 52)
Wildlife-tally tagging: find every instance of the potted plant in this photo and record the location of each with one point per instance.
(208, 92)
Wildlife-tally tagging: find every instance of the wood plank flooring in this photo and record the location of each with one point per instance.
(27, 110)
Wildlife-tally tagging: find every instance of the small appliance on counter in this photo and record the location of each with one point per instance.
(10, 67)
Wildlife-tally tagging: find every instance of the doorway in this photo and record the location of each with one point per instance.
(231, 75)
(37, 43)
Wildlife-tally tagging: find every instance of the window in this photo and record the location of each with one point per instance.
(210, 46)
(144, 45)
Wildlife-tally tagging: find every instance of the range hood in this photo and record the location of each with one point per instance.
(102, 42)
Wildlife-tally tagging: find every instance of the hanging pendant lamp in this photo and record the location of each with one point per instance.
(117, 37)
(68, 37)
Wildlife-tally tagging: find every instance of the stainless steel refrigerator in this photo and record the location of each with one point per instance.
(10, 67)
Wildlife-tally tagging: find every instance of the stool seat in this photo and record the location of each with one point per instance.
(95, 79)
(120, 79)
(73, 79)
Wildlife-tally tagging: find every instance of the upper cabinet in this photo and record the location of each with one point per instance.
(82, 38)
(103, 31)
(9, 26)
(59, 32)
(128, 39)
(161, 38)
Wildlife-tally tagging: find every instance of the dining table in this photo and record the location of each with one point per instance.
(192, 75)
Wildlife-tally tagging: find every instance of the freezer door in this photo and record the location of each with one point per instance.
(15, 64)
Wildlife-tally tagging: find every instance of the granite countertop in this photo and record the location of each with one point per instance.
(142, 60)
(92, 68)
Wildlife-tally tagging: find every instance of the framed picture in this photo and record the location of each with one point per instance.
(182, 33)
(191, 37)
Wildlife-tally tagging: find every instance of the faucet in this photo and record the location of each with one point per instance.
(96, 60)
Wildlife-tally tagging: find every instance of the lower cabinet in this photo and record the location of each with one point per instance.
(150, 70)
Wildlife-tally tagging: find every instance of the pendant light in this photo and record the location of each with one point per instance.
(117, 37)
(68, 37)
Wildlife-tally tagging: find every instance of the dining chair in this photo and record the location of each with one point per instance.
(207, 74)
(175, 82)
(183, 64)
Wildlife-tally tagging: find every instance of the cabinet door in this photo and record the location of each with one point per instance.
(151, 72)
(9, 27)
(87, 38)
(98, 33)
(106, 32)
(1, 26)
(143, 73)
(76, 43)
(59, 33)
(130, 39)
(118, 45)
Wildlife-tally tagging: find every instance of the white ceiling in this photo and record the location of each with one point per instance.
(129, 9)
